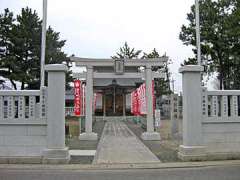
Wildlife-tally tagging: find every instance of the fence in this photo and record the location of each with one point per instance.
(211, 120)
(31, 122)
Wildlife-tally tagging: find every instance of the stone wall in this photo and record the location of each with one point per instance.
(23, 140)
(211, 120)
(221, 137)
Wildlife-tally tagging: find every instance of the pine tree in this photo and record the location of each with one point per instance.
(219, 22)
(6, 62)
(162, 86)
(20, 48)
(25, 37)
(127, 52)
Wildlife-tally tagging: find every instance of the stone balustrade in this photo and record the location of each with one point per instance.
(220, 105)
(32, 122)
(22, 105)
(211, 121)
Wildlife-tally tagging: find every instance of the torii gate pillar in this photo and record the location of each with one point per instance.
(89, 135)
(150, 135)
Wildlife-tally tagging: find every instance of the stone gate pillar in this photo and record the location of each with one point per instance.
(150, 134)
(192, 148)
(56, 151)
(89, 135)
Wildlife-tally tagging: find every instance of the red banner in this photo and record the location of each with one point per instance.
(135, 103)
(138, 100)
(77, 98)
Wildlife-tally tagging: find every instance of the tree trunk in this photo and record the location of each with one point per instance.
(220, 69)
(13, 84)
(22, 86)
(221, 81)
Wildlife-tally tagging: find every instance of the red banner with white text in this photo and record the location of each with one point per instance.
(80, 98)
(77, 97)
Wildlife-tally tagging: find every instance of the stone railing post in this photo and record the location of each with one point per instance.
(56, 151)
(192, 148)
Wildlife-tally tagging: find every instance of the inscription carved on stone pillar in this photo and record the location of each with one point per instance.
(43, 102)
(32, 100)
(10, 107)
(21, 107)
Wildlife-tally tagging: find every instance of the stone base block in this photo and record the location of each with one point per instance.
(223, 156)
(151, 136)
(88, 136)
(192, 153)
(20, 160)
(56, 156)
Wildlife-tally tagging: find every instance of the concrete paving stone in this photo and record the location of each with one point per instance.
(82, 152)
(118, 144)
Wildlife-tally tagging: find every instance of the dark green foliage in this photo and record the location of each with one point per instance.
(220, 39)
(126, 52)
(6, 61)
(21, 48)
(162, 86)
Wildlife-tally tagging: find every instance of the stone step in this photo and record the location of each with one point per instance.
(114, 118)
(82, 152)
(110, 118)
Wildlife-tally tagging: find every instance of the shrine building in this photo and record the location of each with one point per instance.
(113, 80)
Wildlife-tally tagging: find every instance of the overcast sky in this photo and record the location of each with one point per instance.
(97, 28)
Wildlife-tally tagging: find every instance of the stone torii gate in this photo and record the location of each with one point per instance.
(118, 69)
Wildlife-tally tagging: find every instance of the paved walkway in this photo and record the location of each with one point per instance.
(118, 144)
